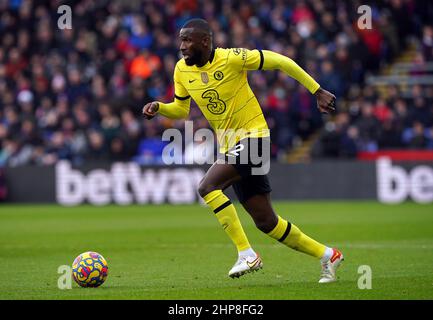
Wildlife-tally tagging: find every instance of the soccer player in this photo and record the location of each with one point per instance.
(217, 80)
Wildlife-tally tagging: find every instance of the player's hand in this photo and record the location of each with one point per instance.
(325, 101)
(150, 110)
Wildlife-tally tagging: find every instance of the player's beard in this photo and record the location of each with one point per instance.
(193, 58)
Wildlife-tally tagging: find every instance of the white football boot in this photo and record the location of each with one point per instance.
(246, 264)
(329, 267)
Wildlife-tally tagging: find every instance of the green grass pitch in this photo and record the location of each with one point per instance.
(181, 252)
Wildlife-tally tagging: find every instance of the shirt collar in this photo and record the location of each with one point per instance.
(212, 55)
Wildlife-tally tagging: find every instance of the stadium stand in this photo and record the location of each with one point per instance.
(77, 93)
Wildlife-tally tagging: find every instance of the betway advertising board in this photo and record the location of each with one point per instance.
(397, 183)
(128, 183)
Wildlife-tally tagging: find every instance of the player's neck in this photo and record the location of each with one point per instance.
(208, 57)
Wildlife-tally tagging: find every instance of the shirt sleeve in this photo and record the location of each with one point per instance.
(180, 91)
(275, 61)
(244, 59)
(180, 107)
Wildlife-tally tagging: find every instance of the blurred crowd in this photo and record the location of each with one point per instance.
(3, 189)
(77, 93)
(371, 123)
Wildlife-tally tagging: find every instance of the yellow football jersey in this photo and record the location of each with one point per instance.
(221, 90)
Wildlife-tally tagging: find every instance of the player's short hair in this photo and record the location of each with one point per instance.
(198, 24)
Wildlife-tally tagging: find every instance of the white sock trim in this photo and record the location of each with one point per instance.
(247, 253)
(327, 255)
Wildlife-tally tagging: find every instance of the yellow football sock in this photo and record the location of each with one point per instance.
(226, 214)
(291, 236)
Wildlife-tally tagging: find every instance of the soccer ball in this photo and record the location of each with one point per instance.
(90, 269)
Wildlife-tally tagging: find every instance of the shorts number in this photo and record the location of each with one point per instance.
(215, 105)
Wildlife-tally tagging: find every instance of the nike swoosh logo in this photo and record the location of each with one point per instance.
(191, 81)
(253, 263)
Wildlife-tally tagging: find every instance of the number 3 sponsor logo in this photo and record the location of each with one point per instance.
(215, 105)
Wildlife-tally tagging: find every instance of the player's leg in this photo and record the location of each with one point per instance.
(218, 178)
(260, 208)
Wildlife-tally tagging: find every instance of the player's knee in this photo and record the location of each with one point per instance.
(204, 188)
(266, 223)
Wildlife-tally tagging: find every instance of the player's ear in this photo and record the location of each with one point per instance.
(206, 41)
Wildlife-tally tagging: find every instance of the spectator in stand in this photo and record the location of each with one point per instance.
(416, 137)
(427, 43)
(96, 148)
(150, 149)
(349, 143)
(368, 126)
(381, 111)
(331, 79)
(144, 65)
(390, 135)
